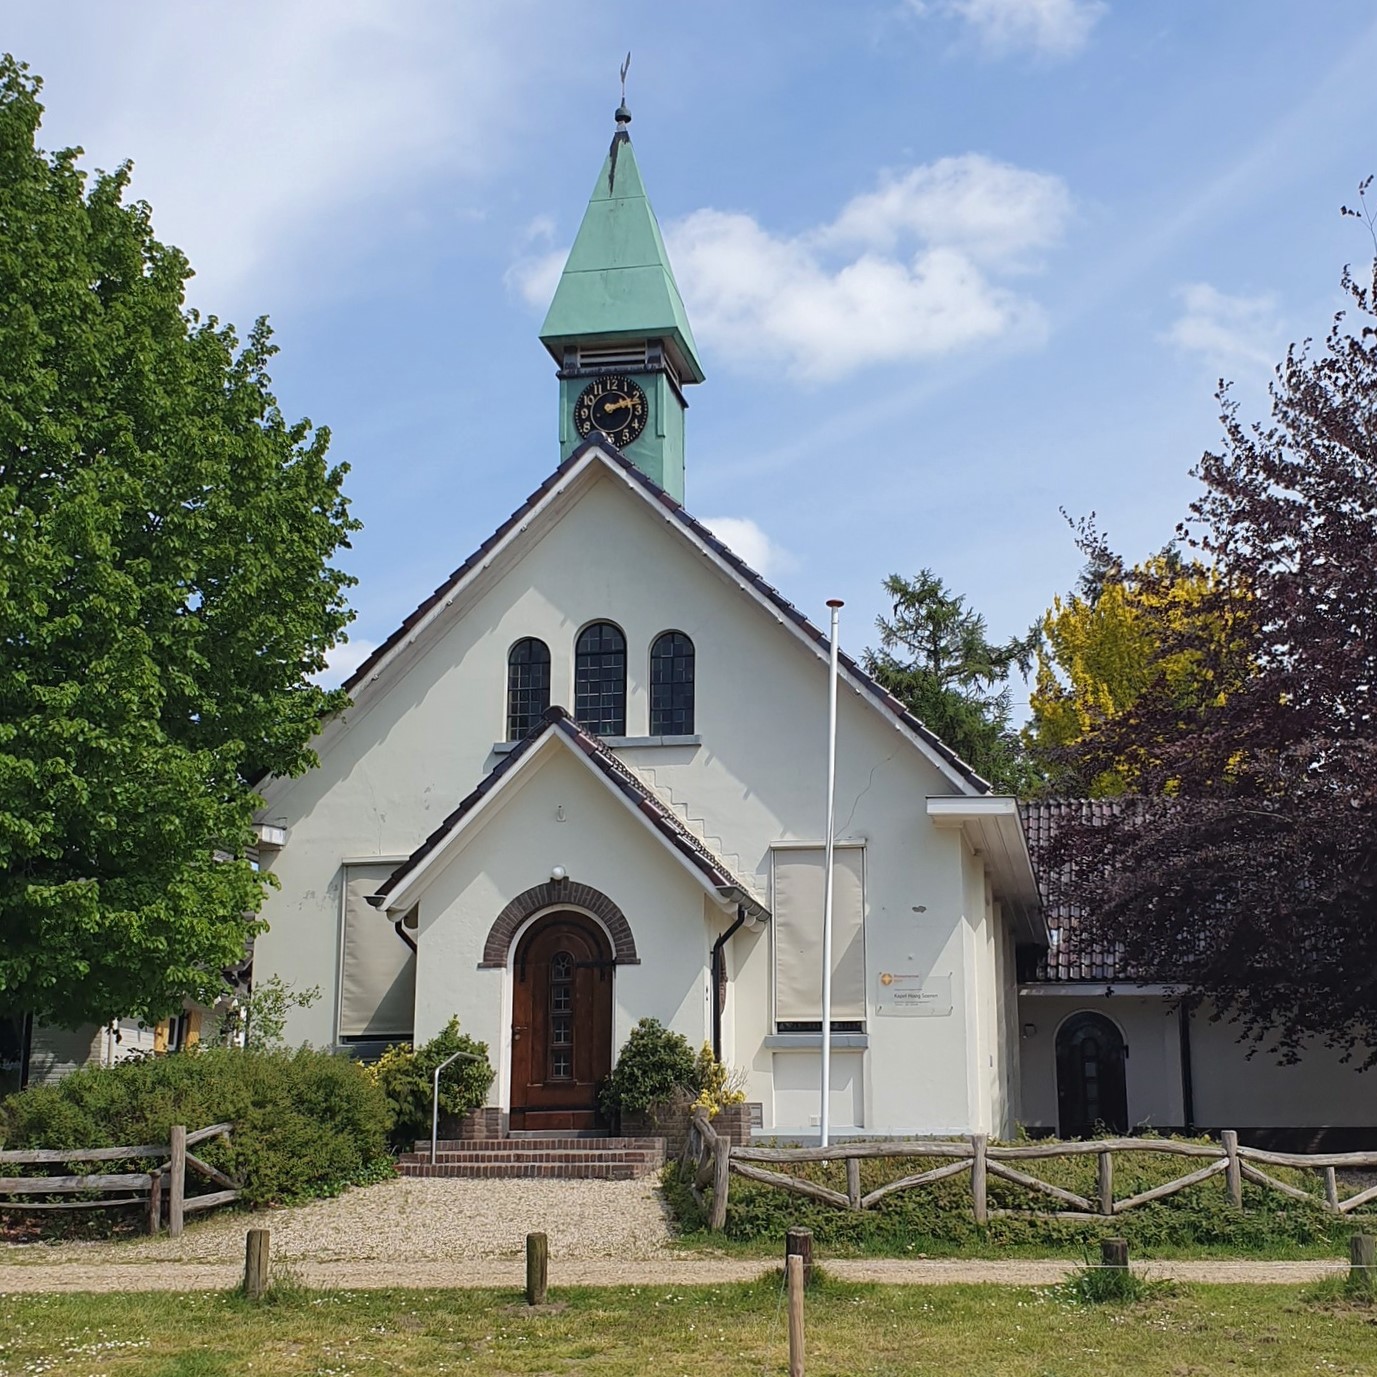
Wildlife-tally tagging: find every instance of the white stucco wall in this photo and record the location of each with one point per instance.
(1231, 1090)
(411, 752)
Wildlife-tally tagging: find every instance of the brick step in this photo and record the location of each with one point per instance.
(537, 1171)
(565, 1159)
(559, 1143)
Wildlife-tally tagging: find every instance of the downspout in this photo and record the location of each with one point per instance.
(717, 964)
(1183, 1025)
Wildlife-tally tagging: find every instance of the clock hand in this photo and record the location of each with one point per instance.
(621, 405)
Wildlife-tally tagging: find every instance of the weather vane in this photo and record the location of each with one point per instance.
(626, 67)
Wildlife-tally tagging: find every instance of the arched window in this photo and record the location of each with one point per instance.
(600, 679)
(671, 685)
(528, 687)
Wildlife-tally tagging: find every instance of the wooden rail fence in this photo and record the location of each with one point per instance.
(162, 1189)
(710, 1160)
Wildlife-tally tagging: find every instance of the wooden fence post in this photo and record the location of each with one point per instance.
(799, 1243)
(1106, 1182)
(176, 1180)
(721, 1174)
(1331, 1189)
(980, 1179)
(255, 1263)
(1114, 1253)
(1362, 1261)
(537, 1268)
(853, 1182)
(155, 1201)
(1234, 1174)
(794, 1277)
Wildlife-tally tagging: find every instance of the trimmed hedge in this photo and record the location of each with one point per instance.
(306, 1123)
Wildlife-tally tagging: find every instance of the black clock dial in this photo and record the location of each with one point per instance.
(614, 405)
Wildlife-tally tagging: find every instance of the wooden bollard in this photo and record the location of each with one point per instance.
(1362, 1261)
(1114, 1253)
(799, 1243)
(537, 1268)
(176, 1180)
(794, 1278)
(255, 1263)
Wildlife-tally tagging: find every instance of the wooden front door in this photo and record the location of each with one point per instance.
(1092, 1093)
(561, 1023)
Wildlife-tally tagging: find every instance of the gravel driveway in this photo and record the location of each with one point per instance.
(442, 1232)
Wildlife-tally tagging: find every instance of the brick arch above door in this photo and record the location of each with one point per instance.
(553, 895)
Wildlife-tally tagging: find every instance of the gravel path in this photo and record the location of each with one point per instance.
(472, 1234)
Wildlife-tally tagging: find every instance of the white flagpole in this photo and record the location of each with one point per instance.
(835, 604)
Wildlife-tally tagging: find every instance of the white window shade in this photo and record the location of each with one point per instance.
(797, 924)
(378, 980)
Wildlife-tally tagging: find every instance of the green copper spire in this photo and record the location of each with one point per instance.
(617, 283)
(618, 330)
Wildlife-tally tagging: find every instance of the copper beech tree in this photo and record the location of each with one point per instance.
(1243, 870)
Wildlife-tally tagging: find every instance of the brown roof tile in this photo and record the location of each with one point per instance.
(1070, 955)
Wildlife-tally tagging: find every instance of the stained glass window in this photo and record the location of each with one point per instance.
(671, 685)
(528, 687)
(600, 679)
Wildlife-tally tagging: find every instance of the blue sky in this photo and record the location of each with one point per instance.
(952, 265)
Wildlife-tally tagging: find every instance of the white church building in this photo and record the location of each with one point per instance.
(584, 783)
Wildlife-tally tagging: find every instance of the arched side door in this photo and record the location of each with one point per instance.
(1092, 1093)
(561, 1023)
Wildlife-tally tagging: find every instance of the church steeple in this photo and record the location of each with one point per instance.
(617, 327)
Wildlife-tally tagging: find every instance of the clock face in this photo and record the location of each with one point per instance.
(614, 405)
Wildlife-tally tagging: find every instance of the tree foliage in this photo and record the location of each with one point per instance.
(165, 593)
(1161, 629)
(936, 657)
(1251, 877)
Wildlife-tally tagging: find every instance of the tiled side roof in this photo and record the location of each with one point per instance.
(664, 818)
(700, 532)
(1069, 956)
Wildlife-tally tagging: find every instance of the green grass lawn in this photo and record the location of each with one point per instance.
(1188, 1332)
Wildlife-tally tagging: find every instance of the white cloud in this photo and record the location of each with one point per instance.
(343, 660)
(1225, 329)
(745, 539)
(993, 212)
(1046, 28)
(252, 125)
(534, 277)
(932, 241)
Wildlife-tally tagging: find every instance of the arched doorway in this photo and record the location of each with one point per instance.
(561, 1023)
(1091, 1091)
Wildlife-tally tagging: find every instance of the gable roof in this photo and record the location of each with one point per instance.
(597, 449)
(557, 726)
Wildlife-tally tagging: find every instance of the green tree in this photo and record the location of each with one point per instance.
(936, 657)
(165, 593)
(1160, 629)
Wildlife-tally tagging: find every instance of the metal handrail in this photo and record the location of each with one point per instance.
(435, 1096)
